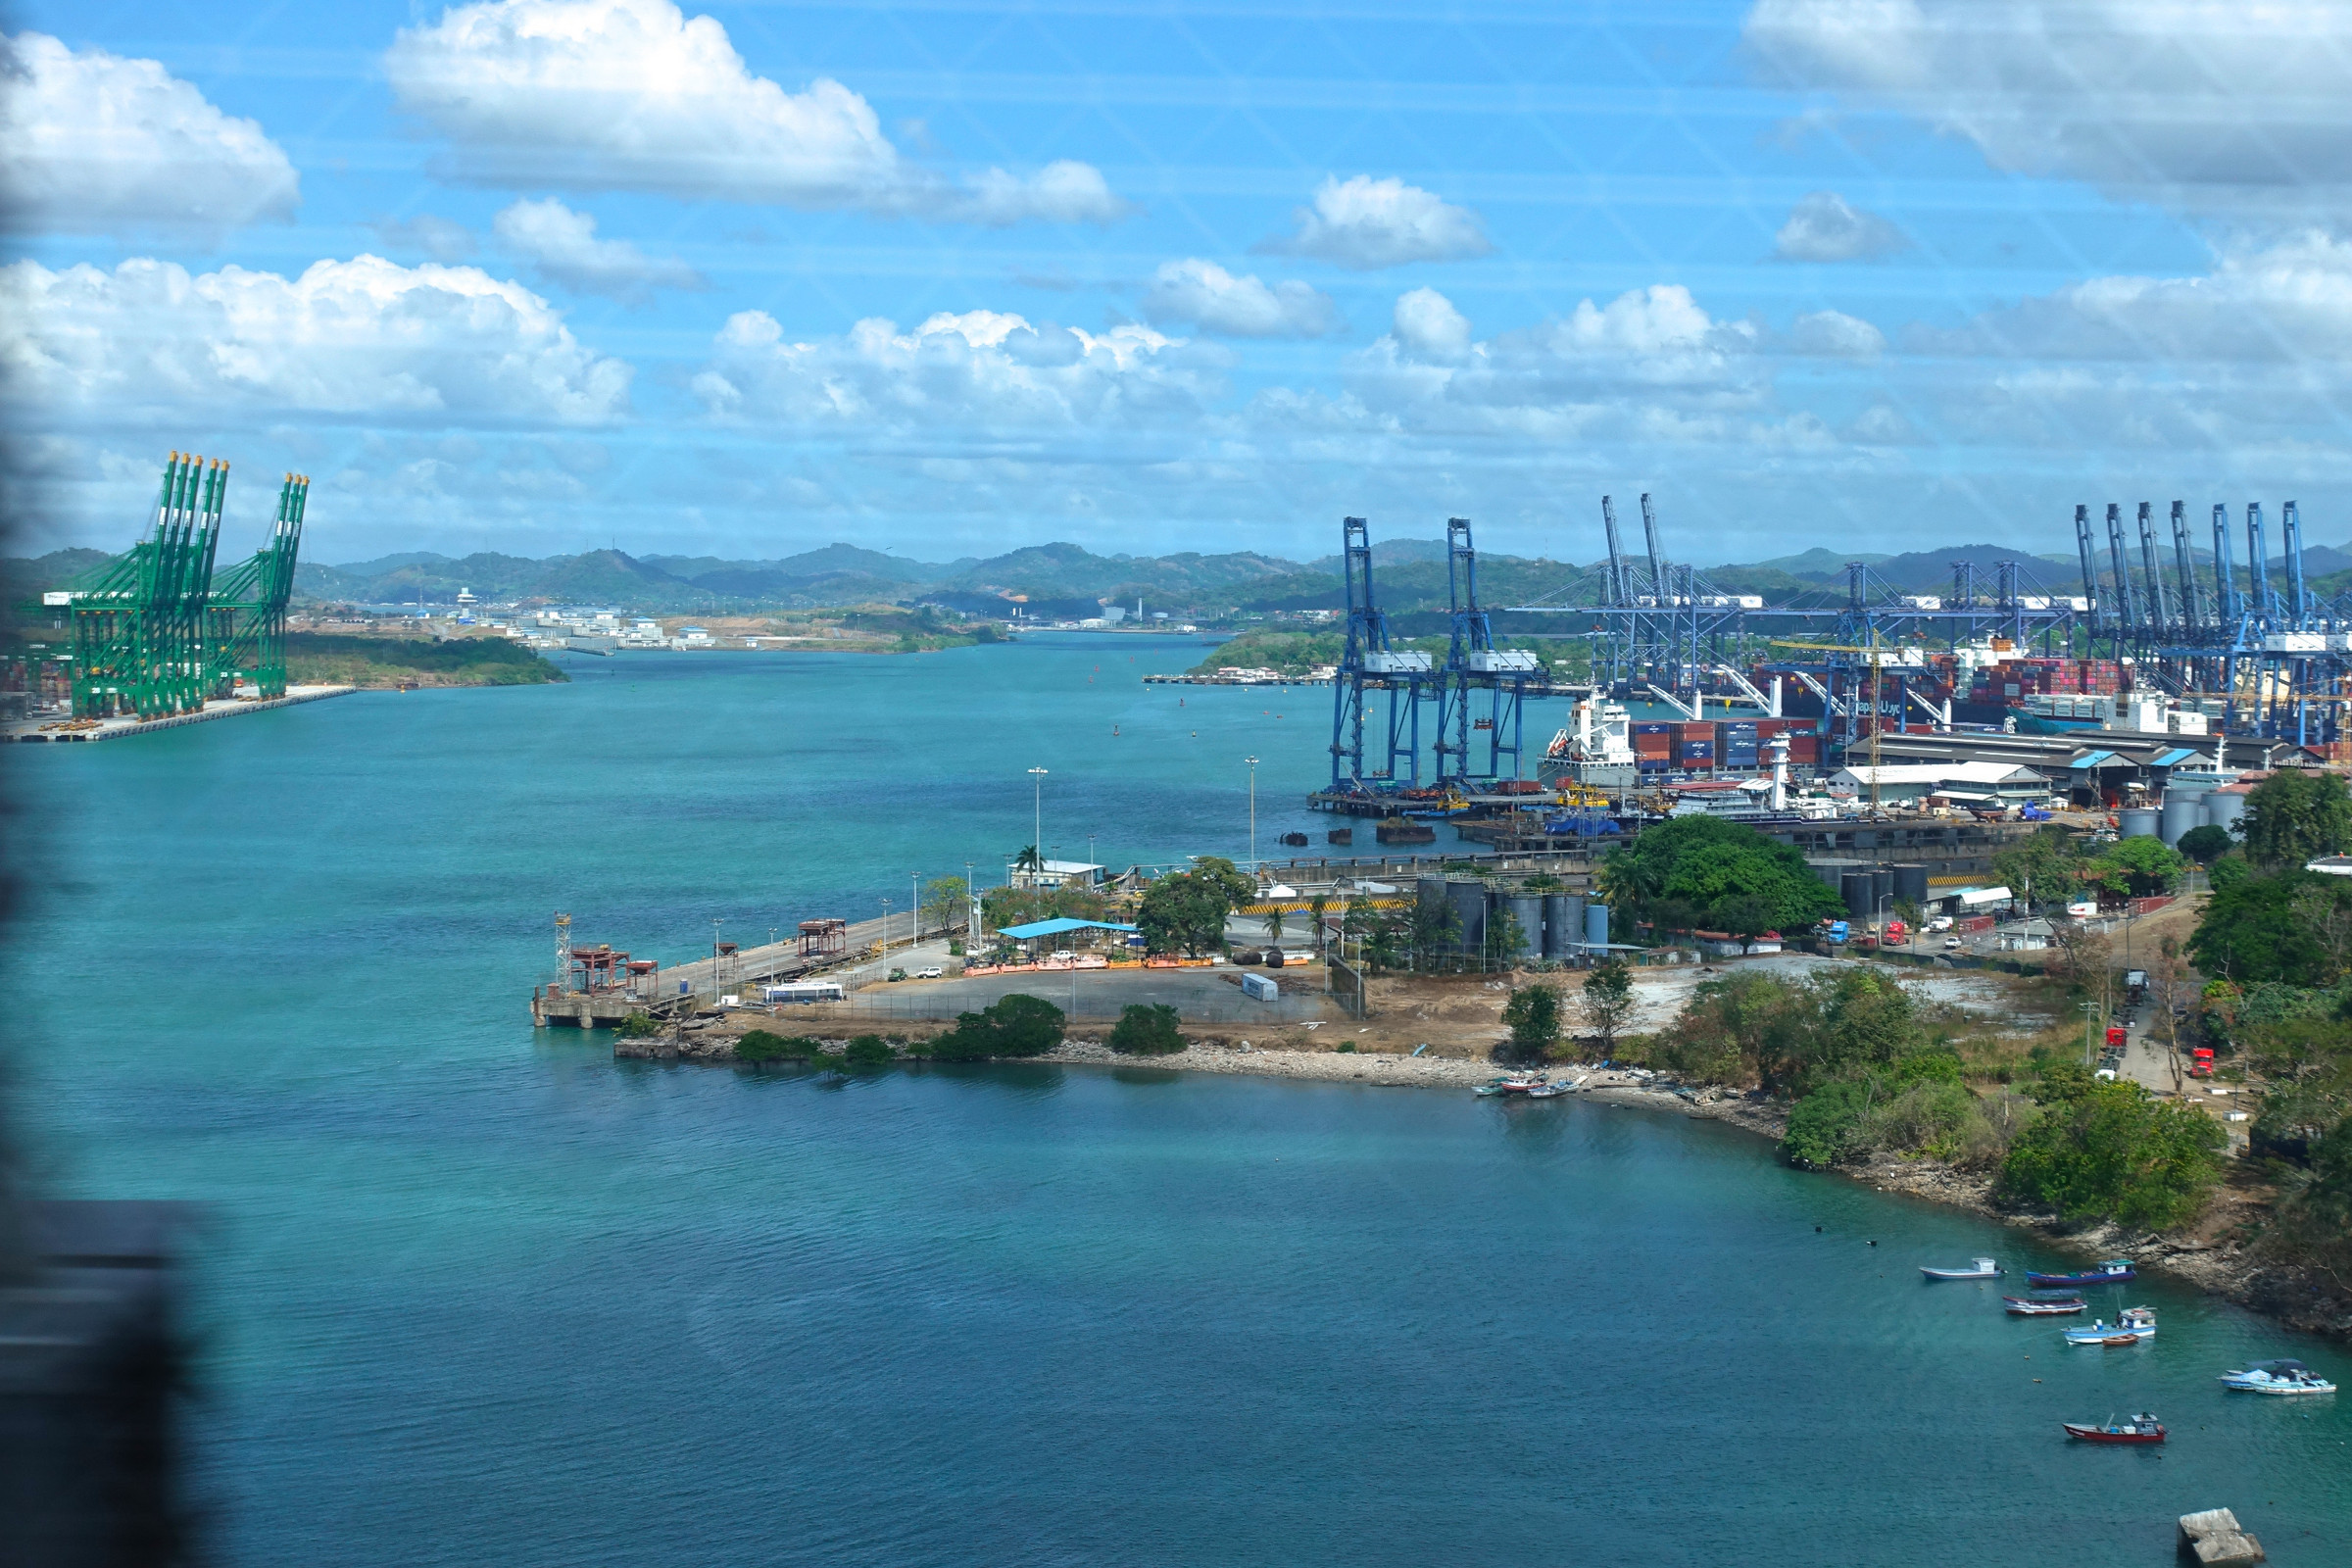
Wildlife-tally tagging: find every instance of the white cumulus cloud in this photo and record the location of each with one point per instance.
(561, 246)
(1649, 365)
(1429, 327)
(2204, 102)
(634, 95)
(1825, 227)
(94, 143)
(1211, 298)
(364, 338)
(1833, 334)
(980, 370)
(1366, 224)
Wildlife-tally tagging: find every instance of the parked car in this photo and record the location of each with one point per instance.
(932, 973)
(1951, 944)
(1943, 922)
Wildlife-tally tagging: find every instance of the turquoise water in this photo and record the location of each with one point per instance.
(475, 1295)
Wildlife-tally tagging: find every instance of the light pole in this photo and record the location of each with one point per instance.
(886, 928)
(715, 923)
(1252, 762)
(1037, 809)
(914, 902)
(972, 911)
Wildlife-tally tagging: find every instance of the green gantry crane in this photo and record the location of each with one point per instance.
(155, 633)
(246, 612)
(138, 620)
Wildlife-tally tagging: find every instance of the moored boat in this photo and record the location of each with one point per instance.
(1984, 1269)
(2141, 1428)
(1547, 1091)
(2278, 1377)
(2134, 1323)
(1513, 1083)
(2045, 1304)
(2113, 1272)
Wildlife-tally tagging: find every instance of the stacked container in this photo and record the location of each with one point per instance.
(1741, 744)
(1653, 746)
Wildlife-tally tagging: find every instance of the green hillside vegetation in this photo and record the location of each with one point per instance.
(318, 658)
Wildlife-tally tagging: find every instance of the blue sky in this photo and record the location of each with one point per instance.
(744, 279)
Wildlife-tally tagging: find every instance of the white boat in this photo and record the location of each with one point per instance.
(2133, 1324)
(1547, 1091)
(1984, 1269)
(2278, 1377)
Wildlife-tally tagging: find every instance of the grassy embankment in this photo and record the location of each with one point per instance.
(317, 659)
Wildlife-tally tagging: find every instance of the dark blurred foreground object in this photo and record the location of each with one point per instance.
(93, 1374)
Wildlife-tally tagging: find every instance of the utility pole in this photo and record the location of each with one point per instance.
(886, 928)
(914, 902)
(714, 925)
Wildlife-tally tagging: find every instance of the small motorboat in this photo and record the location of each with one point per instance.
(1513, 1083)
(2278, 1377)
(1552, 1090)
(2132, 1324)
(1984, 1269)
(2141, 1428)
(2113, 1272)
(2045, 1304)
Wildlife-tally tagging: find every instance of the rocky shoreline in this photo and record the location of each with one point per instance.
(2224, 1266)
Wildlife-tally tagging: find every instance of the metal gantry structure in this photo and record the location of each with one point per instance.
(155, 632)
(1474, 699)
(2273, 653)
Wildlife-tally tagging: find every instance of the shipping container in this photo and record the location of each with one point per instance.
(1698, 754)
(1696, 731)
(1651, 726)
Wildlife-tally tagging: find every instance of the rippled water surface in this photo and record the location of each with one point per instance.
(474, 1295)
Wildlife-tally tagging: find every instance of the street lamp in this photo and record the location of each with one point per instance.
(886, 928)
(1252, 762)
(715, 923)
(914, 902)
(1037, 811)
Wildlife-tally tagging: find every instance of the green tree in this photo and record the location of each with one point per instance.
(1187, 910)
(1028, 859)
(638, 1026)
(2294, 816)
(1273, 923)
(2271, 928)
(1608, 1002)
(1532, 1016)
(2109, 1150)
(2206, 845)
(2140, 867)
(1505, 941)
(944, 903)
(1704, 870)
(1017, 1025)
(2047, 865)
(1825, 1127)
(1147, 1029)
(2315, 1215)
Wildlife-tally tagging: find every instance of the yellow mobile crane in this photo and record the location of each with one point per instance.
(1875, 650)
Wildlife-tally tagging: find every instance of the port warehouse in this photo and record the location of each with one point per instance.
(162, 629)
(2153, 668)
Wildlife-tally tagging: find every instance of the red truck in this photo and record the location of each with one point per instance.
(2118, 1037)
(2201, 1062)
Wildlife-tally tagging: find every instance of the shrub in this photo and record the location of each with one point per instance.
(1533, 1015)
(638, 1026)
(1019, 1025)
(1825, 1126)
(1147, 1029)
(759, 1045)
(868, 1051)
(2109, 1150)
(1346, 1048)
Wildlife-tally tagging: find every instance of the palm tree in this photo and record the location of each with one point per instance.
(1028, 859)
(1274, 924)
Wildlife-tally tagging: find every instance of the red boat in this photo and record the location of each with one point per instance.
(2141, 1428)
